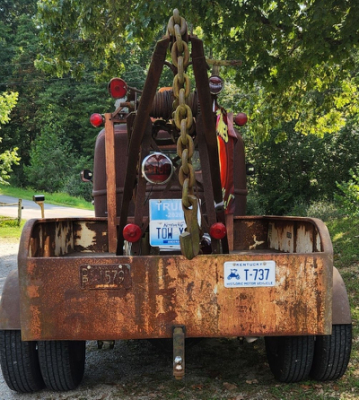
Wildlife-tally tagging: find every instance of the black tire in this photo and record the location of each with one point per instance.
(62, 363)
(332, 353)
(20, 363)
(290, 358)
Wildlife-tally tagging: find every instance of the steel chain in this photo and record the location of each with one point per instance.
(183, 119)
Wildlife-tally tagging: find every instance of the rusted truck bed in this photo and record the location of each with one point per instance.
(72, 288)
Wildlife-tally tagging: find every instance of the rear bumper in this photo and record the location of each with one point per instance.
(161, 292)
(59, 301)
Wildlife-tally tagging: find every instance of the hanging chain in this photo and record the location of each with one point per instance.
(183, 119)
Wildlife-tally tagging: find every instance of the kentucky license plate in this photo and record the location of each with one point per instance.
(249, 274)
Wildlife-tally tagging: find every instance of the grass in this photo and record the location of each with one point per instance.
(9, 228)
(60, 199)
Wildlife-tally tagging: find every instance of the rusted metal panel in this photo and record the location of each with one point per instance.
(144, 297)
(172, 290)
(10, 306)
(341, 306)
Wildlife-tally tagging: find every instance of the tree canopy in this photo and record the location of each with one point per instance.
(298, 57)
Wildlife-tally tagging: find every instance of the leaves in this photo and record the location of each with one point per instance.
(8, 157)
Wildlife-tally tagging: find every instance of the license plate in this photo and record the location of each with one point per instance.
(166, 223)
(249, 274)
(113, 276)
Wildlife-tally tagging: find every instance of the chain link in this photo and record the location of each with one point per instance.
(183, 119)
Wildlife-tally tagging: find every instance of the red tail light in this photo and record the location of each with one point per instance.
(157, 168)
(96, 120)
(132, 233)
(117, 88)
(218, 230)
(240, 119)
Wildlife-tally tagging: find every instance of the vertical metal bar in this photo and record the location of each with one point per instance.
(139, 128)
(178, 352)
(209, 127)
(110, 182)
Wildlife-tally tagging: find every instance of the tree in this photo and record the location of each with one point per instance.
(302, 169)
(300, 56)
(8, 157)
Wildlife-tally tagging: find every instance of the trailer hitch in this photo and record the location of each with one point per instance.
(178, 351)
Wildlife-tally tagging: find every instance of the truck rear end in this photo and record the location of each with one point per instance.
(170, 252)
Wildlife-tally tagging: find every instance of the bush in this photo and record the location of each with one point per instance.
(324, 210)
(51, 161)
(349, 199)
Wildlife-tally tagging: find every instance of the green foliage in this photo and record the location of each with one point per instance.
(349, 197)
(298, 59)
(8, 157)
(7, 102)
(51, 161)
(301, 169)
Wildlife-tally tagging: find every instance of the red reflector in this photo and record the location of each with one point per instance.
(240, 119)
(157, 168)
(218, 230)
(96, 120)
(132, 233)
(117, 88)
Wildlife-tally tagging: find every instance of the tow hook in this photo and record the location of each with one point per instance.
(178, 352)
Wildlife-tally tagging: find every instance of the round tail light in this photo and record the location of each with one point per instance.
(96, 120)
(218, 230)
(157, 168)
(117, 88)
(215, 84)
(132, 233)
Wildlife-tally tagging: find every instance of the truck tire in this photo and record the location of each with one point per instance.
(62, 363)
(332, 353)
(290, 358)
(20, 363)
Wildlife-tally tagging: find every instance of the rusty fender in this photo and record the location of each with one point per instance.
(341, 306)
(10, 302)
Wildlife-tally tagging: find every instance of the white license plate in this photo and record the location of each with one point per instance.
(249, 273)
(166, 222)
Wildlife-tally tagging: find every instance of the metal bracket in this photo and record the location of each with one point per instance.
(178, 351)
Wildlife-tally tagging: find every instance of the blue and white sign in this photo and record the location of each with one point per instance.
(249, 274)
(166, 222)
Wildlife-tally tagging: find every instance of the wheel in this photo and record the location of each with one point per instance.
(332, 353)
(290, 358)
(62, 363)
(20, 363)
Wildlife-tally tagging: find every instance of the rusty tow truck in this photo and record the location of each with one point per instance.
(170, 253)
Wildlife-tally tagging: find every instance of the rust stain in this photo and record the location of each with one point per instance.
(33, 291)
(35, 320)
